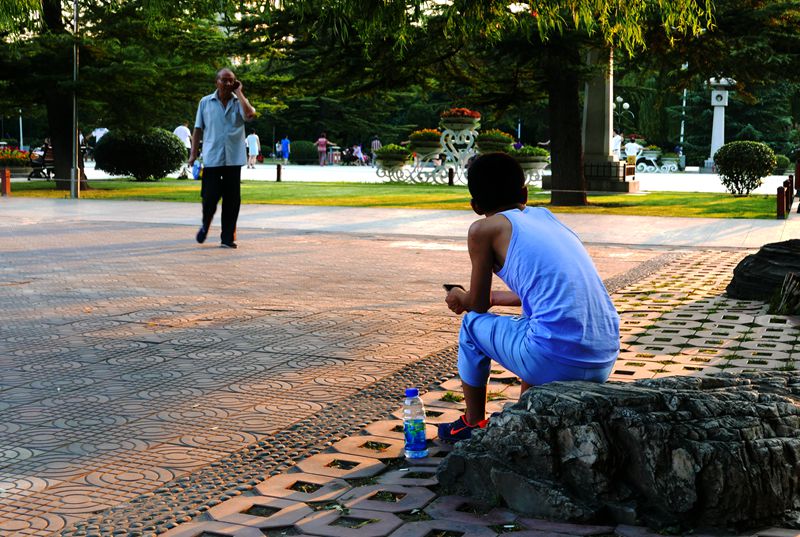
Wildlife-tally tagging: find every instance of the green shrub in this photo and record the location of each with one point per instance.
(495, 135)
(304, 152)
(742, 165)
(782, 163)
(529, 151)
(393, 152)
(494, 140)
(147, 155)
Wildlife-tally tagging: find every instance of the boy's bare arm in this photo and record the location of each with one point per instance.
(480, 241)
(505, 298)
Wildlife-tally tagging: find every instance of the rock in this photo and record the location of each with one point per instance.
(686, 452)
(760, 275)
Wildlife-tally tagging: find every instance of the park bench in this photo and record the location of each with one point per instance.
(44, 165)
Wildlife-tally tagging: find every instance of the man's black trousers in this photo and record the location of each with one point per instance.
(222, 182)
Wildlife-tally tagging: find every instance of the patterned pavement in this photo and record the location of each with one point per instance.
(134, 362)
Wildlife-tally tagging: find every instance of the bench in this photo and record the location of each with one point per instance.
(43, 165)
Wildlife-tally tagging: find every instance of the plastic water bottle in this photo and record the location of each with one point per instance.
(414, 425)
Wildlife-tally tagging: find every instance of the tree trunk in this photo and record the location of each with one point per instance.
(59, 122)
(566, 148)
(59, 103)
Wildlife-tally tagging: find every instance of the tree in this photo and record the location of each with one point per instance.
(143, 63)
(558, 31)
(752, 41)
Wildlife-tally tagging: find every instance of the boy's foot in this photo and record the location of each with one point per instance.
(201, 235)
(459, 429)
(228, 245)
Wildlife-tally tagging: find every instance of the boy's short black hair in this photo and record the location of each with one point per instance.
(495, 180)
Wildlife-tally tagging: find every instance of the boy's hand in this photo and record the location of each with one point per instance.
(454, 300)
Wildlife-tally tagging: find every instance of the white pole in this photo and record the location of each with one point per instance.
(21, 143)
(683, 115)
(519, 130)
(75, 184)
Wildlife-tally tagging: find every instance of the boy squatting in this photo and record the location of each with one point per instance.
(569, 328)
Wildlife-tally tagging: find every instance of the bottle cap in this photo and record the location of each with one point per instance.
(412, 392)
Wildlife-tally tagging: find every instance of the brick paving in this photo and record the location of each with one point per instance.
(136, 366)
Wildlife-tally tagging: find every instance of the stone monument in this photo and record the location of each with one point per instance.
(719, 100)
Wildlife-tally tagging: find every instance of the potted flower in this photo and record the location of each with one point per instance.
(459, 119)
(494, 140)
(670, 161)
(532, 159)
(651, 152)
(17, 160)
(530, 153)
(392, 156)
(426, 141)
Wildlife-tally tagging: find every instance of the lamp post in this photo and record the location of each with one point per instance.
(74, 183)
(620, 109)
(20, 129)
(719, 100)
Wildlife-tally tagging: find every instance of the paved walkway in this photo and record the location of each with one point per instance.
(594, 229)
(131, 357)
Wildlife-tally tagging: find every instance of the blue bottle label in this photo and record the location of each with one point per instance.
(414, 431)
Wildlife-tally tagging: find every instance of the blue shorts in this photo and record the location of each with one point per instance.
(485, 337)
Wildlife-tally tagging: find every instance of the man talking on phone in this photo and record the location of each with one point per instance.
(220, 125)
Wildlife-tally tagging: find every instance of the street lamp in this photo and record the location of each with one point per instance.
(620, 109)
(20, 129)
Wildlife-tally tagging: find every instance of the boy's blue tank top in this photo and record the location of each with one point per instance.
(571, 319)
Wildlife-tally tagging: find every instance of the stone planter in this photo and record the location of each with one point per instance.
(533, 165)
(426, 147)
(669, 164)
(530, 158)
(391, 163)
(19, 171)
(460, 123)
(490, 146)
(650, 154)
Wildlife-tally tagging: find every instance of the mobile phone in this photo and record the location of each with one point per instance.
(236, 85)
(449, 286)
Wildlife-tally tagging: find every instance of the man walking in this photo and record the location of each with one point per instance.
(220, 125)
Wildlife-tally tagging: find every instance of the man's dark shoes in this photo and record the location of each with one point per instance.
(201, 234)
(229, 245)
(459, 429)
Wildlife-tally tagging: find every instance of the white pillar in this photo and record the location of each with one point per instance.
(718, 130)
(719, 100)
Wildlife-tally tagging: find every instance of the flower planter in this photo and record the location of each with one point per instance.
(490, 146)
(669, 164)
(531, 158)
(19, 171)
(459, 123)
(391, 163)
(426, 148)
(650, 154)
(533, 165)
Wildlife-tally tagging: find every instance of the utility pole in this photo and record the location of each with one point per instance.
(75, 182)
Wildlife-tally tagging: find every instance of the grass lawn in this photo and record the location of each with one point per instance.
(691, 204)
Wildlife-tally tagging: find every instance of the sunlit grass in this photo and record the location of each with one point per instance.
(689, 204)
